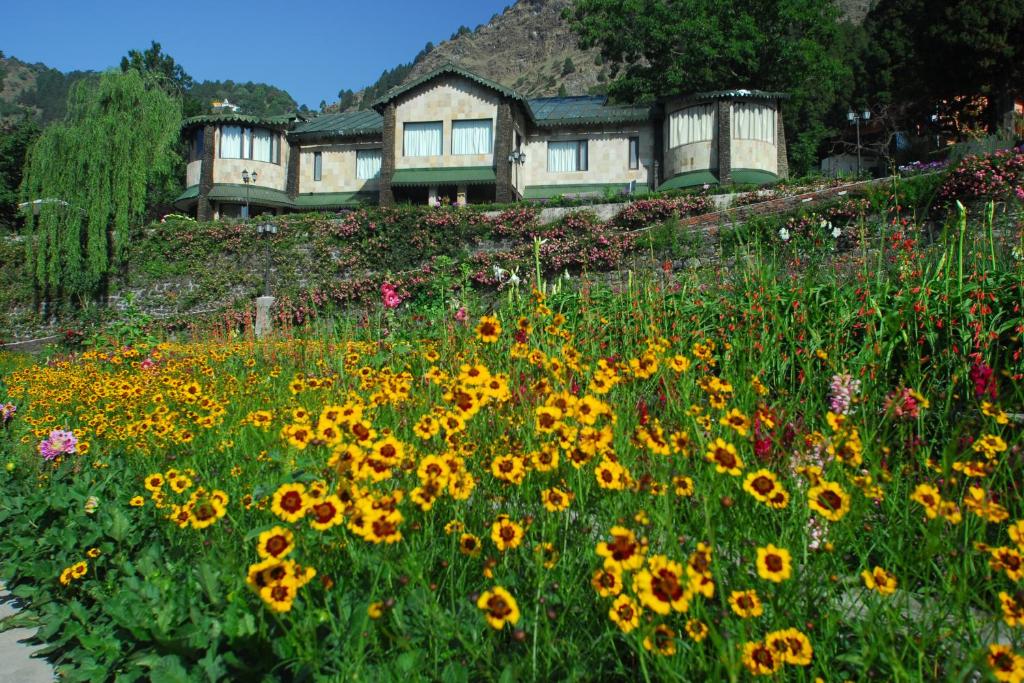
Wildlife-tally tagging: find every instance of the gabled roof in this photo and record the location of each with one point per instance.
(586, 109)
(441, 71)
(281, 121)
(364, 122)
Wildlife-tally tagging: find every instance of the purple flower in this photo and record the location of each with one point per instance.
(59, 443)
(7, 411)
(844, 389)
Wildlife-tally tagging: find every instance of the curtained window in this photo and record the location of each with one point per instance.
(422, 139)
(368, 163)
(693, 124)
(261, 145)
(318, 165)
(471, 137)
(231, 142)
(634, 153)
(753, 121)
(566, 157)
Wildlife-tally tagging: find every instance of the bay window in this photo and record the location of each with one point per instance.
(258, 144)
(753, 121)
(231, 142)
(471, 137)
(422, 139)
(693, 124)
(368, 163)
(567, 157)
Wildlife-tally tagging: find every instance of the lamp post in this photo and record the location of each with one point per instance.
(246, 179)
(517, 157)
(855, 118)
(266, 231)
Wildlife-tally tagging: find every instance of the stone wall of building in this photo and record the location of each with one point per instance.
(756, 154)
(338, 168)
(607, 154)
(445, 100)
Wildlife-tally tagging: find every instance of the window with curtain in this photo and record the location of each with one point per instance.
(231, 142)
(693, 124)
(195, 147)
(567, 157)
(471, 137)
(368, 163)
(634, 153)
(318, 165)
(753, 121)
(261, 145)
(422, 139)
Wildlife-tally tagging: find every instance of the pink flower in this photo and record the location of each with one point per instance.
(462, 314)
(59, 442)
(390, 296)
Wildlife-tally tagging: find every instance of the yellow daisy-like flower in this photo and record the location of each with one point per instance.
(289, 502)
(829, 500)
(662, 640)
(623, 552)
(662, 586)
(792, 645)
(879, 580)
(506, 534)
(774, 564)
(625, 612)
(488, 329)
(275, 543)
(607, 581)
(1013, 608)
(697, 630)
(1007, 666)
(736, 420)
(746, 604)
(760, 659)
(724, 457)
(137, 501)
(499, 607)
(555, 499)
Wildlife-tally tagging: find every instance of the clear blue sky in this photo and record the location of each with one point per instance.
(311, 49)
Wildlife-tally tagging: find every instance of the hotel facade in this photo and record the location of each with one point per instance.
(453, 135)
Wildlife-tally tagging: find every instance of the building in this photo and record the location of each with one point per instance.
(452, 135)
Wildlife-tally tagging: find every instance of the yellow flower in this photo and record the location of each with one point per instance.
(607, 581)
(746, 603)
(137, 502)
(661, 586)
(774, 564)
(723, 456)
(375, 610)
(792, 645)
(499, 607)
(829, 500)
(737, 420)
(289, 502)
(662, 641)
(624, 552)
(488, 329)
(275, 543)
(760, 659)
(625, 612)
(506, 534)
(697, 630)
(879, 580)
(555, 499)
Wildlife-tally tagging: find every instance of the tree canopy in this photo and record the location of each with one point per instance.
(92, 173)
(15, 139)
(663, 47)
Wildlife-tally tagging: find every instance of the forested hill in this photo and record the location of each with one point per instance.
(41, 92)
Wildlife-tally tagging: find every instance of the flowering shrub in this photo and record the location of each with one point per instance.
(997, 176)
(646, 212)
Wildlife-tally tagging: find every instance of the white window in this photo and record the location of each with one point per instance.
(318, 165)
(231, 142)
(634, 153)
(422, 139)
(471, 137)
(753, 121)
(368, 163)
(262, 147)
(566, 157)
(693, 124)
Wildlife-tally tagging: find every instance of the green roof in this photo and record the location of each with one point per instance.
(365, 122)
(587, 109)
(735, 94)
(688, 179)
(549, 191)
(189, 193)
(282, 121)
(753, 176)
(440, 71)
(332, 199)
(469, 175)
(257, 195)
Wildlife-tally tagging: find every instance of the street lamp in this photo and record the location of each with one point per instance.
(266, 231)
(855, 118)
(517, 157)
(247, 178)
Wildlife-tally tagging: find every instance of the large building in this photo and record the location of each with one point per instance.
(452, 135)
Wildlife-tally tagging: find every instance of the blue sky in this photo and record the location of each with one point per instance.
(311, 49)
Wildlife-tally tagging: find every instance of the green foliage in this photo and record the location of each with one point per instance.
(161, 67)
(15, 139)
(667, 47)
(568, 67)
(94, 171)
(51, 92)
(258, 99)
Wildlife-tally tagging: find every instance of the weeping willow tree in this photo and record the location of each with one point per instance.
(89, 176)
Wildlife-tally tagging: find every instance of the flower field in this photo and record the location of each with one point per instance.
(764, 473)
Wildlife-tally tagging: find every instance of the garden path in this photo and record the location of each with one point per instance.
(17, 665)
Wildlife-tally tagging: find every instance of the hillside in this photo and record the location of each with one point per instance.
(528, 47)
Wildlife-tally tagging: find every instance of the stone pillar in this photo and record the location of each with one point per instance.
(204, 212)
(782, 169)
(460, 195)
(292, 178)
(658, 162)
(387, 162)
(503, 137)
(264, 323)
(724, 142)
